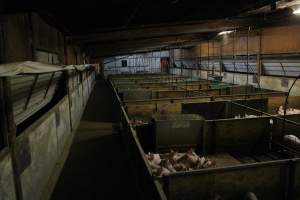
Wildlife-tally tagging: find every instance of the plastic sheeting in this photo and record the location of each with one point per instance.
(29, 67)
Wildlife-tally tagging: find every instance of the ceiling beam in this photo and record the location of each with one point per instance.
(100, 49)
(131, 51)
(161, 31)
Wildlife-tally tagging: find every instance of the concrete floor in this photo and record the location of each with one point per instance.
(96, 167)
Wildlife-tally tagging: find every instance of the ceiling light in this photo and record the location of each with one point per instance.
(296, 11)
(225, 32)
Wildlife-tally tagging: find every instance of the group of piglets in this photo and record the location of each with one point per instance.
(165, 164)
(289, 111)
(137, 122)
(246, 116)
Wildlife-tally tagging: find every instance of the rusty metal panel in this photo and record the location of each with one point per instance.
(7, 187)
(43, 150)
(267, 181)
(177, 131)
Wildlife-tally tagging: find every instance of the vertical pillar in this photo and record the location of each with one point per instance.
(258, 59)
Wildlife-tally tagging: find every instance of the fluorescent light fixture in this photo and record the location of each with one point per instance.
(296, 11)
(225, 32)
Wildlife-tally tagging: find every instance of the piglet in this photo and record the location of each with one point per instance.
(292, 140)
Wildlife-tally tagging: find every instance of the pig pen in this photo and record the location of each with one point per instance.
(141, 76)
(144, 109)
(247, 160)
(145, 94)
(161, 90)
(185, 89)
(119, 81)
(172, 84)
(276, 179)
(141, 173)
(208, 110)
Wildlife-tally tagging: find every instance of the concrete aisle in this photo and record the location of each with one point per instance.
(96, 167)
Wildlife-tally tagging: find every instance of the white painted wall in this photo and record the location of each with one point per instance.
(146, 62)
(266, 82)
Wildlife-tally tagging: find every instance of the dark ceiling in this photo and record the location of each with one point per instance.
(82, 17)
(115, 27)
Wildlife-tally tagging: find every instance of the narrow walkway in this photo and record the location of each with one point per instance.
(96, 167)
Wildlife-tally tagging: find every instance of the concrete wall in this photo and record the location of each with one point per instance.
(7, 189)
(40, 148)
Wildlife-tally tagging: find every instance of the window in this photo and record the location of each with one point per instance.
(124, 63)
(281, 67)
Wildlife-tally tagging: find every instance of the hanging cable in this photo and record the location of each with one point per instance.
(285, 105)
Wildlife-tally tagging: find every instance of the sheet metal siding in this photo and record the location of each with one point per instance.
(21, 89)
